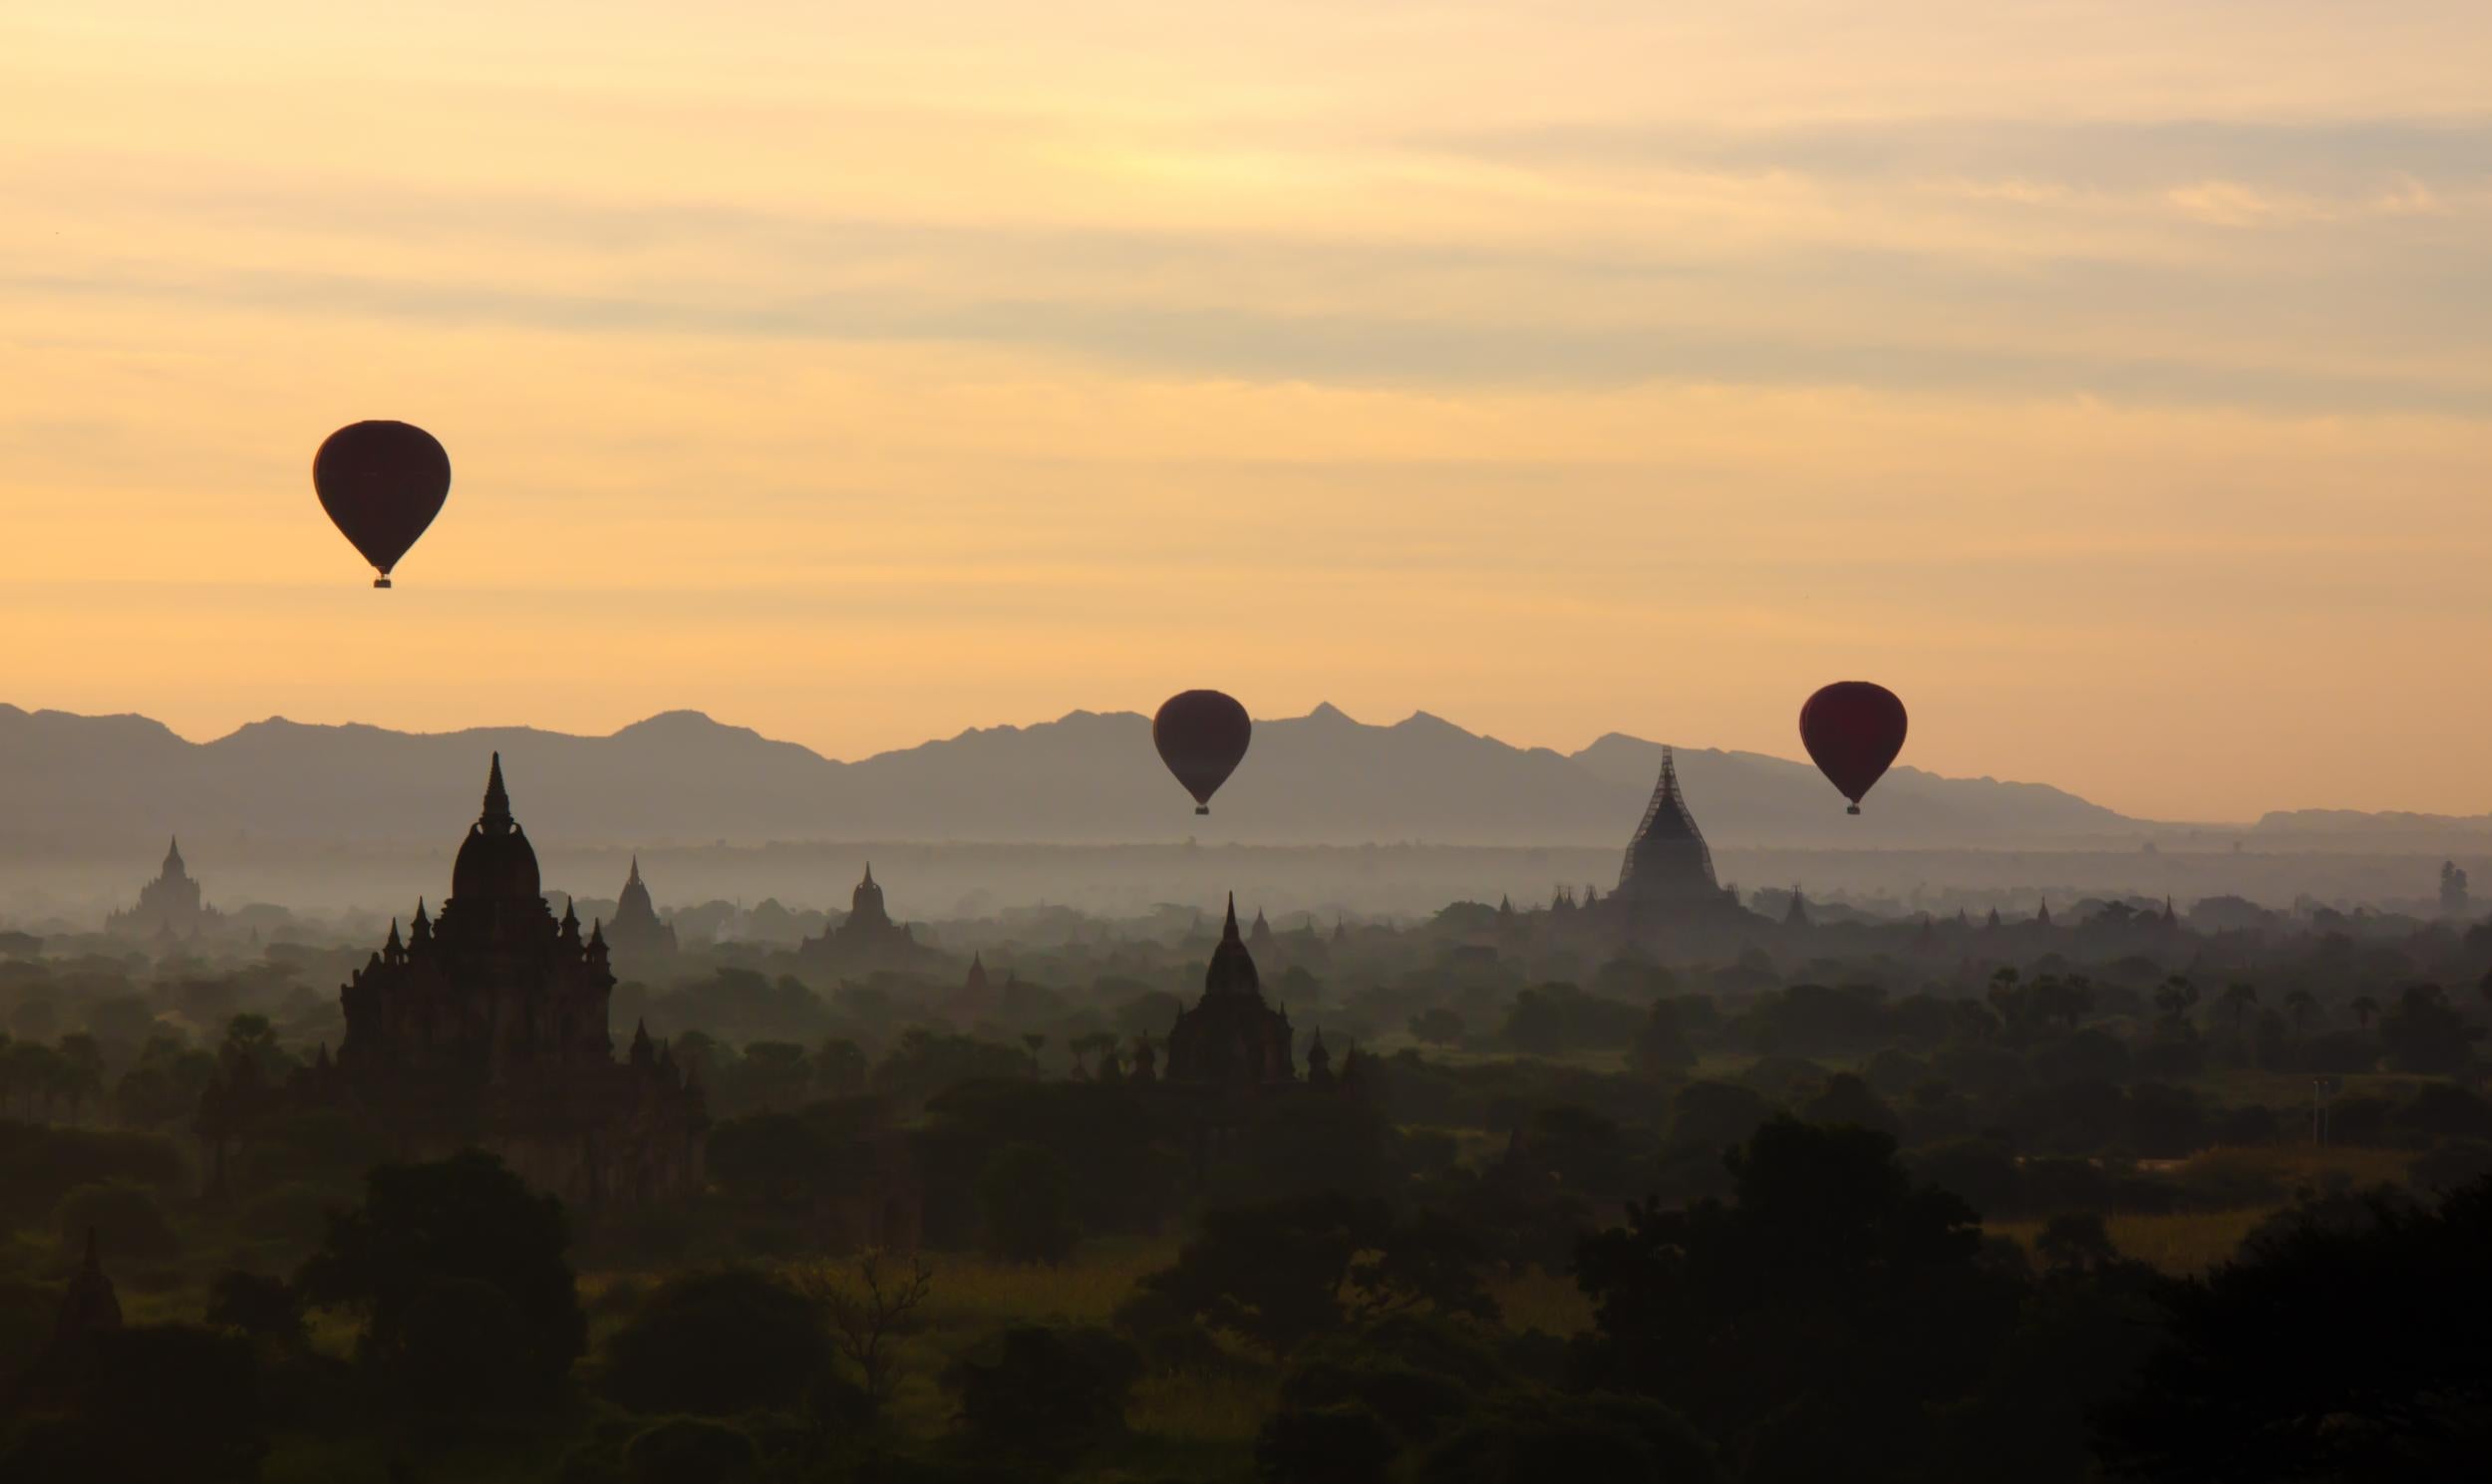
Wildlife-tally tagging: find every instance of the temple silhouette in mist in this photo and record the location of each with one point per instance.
(866, 939)
(486, 1026)
(168, 908)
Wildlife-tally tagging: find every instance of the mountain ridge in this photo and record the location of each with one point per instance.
(1084, 778)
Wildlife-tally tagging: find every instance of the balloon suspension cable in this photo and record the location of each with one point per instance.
(1202, 809)
(379, 582)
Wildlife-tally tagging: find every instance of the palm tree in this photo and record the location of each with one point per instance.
(2174, 997)
(81, 1071)
(2363, 1009)
(2300, 1003)
(2238, 998)
(1036, 1043)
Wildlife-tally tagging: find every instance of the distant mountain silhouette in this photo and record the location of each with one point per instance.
(1085, 777)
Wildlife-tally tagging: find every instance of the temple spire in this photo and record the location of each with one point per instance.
(496, 799)
(1228, 931)
(634, 878)
(173, 868)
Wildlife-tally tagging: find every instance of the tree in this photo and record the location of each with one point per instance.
(2300, 1004)
(716, 1344)
(264, 1308)
(841, 1068)
(148, 1403)
(1045, 1394)
(1660, 1048)
(2365, 1008)
(30, 1073)
(1336, 1443)
(164, 1085)
(2173, 999)
(870, 1306)
(2240, 999)
(775, 1075)
(2452, 889)
(1436, 1026)
(1424, 1399)
(2337, 1346)
(1819, 1322)
(464, 1277)
(1024, 1194)
(1847, 1099)
(250, 1039)
(2077, 1241)
(81, 1071)
(1594, 1440)
(691, 1450)
(1094, 1044)
(1280, 1275)
(2424, 1033)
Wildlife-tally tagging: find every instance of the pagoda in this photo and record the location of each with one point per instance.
(866, 937)
(169, 907)
(1232, 1037)
(487, 1027)
(636, 931)
(1668, 866)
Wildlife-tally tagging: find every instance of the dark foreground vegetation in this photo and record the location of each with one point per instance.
(2123, 1201)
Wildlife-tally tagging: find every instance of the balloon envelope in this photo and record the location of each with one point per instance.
(1854, 729)
(382, 483)
(1201, 736)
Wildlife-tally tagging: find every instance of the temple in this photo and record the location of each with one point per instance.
(169, 907)
(637, 932)
(1231, 1037)
(487, 1026)
(866, 937)
(1669, 868)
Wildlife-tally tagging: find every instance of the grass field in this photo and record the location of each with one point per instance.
(2181, 1245)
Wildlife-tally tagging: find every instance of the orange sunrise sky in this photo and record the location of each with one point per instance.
(2111, 380)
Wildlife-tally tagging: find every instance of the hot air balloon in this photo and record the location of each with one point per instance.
(382, 483)
(1854, 729)
(1201, 736)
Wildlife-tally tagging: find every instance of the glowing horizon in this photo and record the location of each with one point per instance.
(2108, 381)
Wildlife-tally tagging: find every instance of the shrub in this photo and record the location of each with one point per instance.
(717, 1343)
(1046, 1394)
(688, 1450)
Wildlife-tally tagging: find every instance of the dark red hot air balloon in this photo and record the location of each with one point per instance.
(382, 483)
(1854, 729)
(1201, 736)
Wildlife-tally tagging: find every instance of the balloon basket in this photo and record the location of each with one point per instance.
(1202, 809)
(379, 582)
(1854, 809)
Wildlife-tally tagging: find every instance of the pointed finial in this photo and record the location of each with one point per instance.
(869, 873)
(394, 940)
(1228, 931)
(497, 798)
(597, 932)
(570, 915)
(634, 878)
